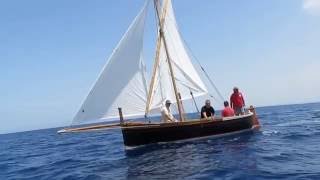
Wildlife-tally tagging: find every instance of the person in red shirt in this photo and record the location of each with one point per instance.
(227, 111)
(237, 102)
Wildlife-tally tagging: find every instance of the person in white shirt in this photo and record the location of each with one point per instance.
(166, 113)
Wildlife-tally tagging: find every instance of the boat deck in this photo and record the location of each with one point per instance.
(137, 124)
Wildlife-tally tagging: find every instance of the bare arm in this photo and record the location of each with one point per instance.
(212, 114)
(205, 115)
(168, 117)
(171, 117)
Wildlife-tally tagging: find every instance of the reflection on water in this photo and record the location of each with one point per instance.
(188, 159)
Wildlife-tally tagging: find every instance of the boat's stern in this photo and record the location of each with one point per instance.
(256, 123)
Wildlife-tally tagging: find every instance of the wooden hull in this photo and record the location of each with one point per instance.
(141, 134)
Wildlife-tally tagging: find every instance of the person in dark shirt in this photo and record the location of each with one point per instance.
(207, 111)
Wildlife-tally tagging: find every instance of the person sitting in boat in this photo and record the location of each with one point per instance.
(166, 113)
(227, 111)
(237, 102)
(207, 111)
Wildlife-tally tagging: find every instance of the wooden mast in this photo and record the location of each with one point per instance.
(157, 59)
(161, 33)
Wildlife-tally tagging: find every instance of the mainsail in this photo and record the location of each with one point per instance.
(122, 81)
(187, 78)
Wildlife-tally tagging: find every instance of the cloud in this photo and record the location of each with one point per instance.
(312, 6)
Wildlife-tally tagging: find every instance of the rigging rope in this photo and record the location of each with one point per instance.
(204, 71)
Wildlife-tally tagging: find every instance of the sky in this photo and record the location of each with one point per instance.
(51, 52)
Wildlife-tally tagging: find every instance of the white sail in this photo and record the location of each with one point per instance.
(187, 78)
(121, 82)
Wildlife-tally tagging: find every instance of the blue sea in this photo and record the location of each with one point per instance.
(286, 147)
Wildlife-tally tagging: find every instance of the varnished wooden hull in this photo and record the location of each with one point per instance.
(141, 134)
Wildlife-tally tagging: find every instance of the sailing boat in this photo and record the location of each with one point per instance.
(122, 91)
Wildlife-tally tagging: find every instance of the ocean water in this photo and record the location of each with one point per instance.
(286, 147)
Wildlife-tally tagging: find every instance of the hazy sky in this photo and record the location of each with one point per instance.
(52, 51)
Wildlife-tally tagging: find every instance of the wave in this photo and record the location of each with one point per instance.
(285, 148)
